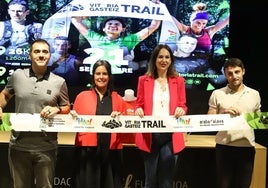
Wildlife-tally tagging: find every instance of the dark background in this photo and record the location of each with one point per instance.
(248, 42)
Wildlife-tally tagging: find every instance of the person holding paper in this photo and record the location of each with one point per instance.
(99, 155)
(32, 155)
(235, 151)
(161, 92)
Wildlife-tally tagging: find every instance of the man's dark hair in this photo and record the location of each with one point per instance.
(115, 18)
(233, 62)
(19, 2)
(39, 41)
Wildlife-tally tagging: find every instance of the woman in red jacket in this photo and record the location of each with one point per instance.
(160, 92)
(99, 155)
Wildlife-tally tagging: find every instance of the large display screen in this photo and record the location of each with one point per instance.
(124, 32)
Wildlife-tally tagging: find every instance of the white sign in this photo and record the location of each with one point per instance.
(127, 124)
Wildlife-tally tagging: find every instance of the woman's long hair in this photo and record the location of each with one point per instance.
(152, 70)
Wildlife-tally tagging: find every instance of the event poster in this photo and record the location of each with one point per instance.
(76, 32)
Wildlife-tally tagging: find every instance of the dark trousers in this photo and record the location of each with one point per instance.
(234, 166)
(98, 168)
(160, 163)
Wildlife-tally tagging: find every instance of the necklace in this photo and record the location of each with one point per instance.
(163, 84)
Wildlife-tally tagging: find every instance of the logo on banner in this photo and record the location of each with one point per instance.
(118, 52)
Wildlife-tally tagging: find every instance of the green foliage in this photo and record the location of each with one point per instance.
(5, 126)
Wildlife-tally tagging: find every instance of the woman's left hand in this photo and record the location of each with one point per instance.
(179, 112)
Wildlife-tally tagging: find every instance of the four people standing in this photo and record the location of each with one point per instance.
(165, 95)
(100, 154)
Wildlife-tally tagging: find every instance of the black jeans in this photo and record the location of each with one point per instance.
(234, 166)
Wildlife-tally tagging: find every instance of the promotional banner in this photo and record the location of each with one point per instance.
(79, 35)
(130, 124)
(118, 55)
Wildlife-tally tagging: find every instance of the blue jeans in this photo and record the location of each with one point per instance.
(159, 165)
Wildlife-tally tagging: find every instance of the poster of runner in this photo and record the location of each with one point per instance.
(123, 32)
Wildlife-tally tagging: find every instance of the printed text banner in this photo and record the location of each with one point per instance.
(124, 124)
(59, 23)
